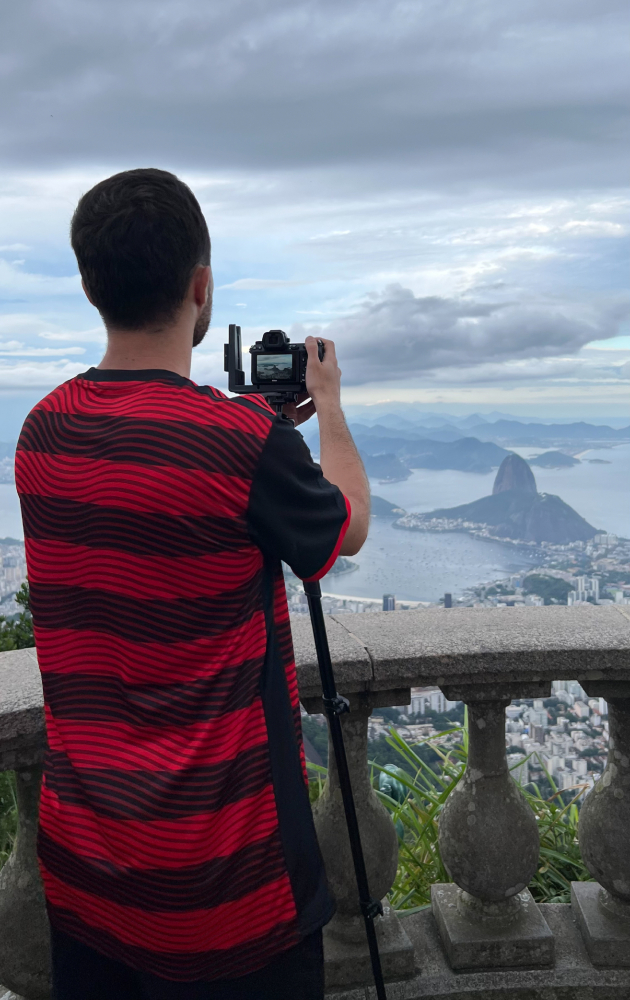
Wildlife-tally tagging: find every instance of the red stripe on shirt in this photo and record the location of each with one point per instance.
(144, 577)
(169, 490)
(160, 843)
(123, 747)
(67, 651)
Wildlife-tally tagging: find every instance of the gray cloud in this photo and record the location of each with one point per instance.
(471, 152)
(396, 335)
(444, 90)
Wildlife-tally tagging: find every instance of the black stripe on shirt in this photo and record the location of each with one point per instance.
(135, 532)
(187, 445)
(156, 795)
(100, 698)
(176, 890)
(60, 607)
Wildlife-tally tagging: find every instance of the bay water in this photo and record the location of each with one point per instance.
(419, 566)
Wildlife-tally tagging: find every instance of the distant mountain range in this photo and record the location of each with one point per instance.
(514, 511)
(393, 444)
(501, 432)
(393, 458)
(534, 434)
(409, 416)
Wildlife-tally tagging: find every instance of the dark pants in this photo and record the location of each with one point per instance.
(80, 973)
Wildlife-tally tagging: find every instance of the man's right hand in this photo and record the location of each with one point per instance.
(323, 378)
(339, 457)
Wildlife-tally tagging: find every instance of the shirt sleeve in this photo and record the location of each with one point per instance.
(294, 513)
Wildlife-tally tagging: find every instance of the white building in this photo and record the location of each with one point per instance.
(599, 706)
(432, 699)
(538, 715)
(565, 780)
(585, 587)
(520, 773)
(581, 710)
(608, 540)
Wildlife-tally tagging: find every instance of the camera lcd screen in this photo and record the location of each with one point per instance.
(274, 367)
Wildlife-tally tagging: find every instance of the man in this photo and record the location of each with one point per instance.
(176, 843)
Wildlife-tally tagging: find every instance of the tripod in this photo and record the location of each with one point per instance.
(335, 705)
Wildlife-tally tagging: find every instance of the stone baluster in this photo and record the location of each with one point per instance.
(603, 910)
(489, 844)
(24, 935)
(345, 945)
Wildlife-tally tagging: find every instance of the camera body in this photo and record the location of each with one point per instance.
(278, 367)
(277, 363)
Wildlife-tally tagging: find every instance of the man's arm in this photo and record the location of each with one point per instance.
(339, 458)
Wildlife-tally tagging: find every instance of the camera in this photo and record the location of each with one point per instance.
(278, 367)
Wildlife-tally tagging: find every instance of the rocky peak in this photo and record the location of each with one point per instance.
(514, 474)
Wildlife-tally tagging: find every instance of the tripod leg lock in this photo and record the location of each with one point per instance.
(371, 909)
(336, 705)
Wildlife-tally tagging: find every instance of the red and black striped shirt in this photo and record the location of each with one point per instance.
(175, 829)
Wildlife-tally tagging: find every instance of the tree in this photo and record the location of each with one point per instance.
(17, 632)
(550, 588)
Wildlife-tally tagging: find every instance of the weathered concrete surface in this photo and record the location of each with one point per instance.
(353, 667)
(488, 834)
(459, 645)
(378, 834)
(605, 815)
(606, 934)
(347, 959)
(22, 732)
(388, 650)
(24, 935)
(572, 977)
(499, 942)
(380, 653)
(345, 944)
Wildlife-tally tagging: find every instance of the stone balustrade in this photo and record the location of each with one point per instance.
(484, 936)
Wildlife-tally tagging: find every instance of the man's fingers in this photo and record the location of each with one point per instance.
(311, 349)
(311, 344)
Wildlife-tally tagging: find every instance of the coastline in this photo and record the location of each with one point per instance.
(480, 533)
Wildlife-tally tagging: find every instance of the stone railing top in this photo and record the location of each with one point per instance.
(21, 710)
(468, 646)
(391, 652)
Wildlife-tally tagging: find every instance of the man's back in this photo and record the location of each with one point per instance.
(176, 833)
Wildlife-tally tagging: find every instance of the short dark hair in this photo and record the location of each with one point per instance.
(138, 236)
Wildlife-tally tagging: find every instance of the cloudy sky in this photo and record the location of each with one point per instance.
(437, 184)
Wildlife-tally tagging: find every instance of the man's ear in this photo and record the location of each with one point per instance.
(202, 285)
(87, 294)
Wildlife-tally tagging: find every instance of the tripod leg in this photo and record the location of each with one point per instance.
(335, 705)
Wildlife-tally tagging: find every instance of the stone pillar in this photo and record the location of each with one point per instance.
(603, 910)
(489, 844)
(345, 945)
(24, 934)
